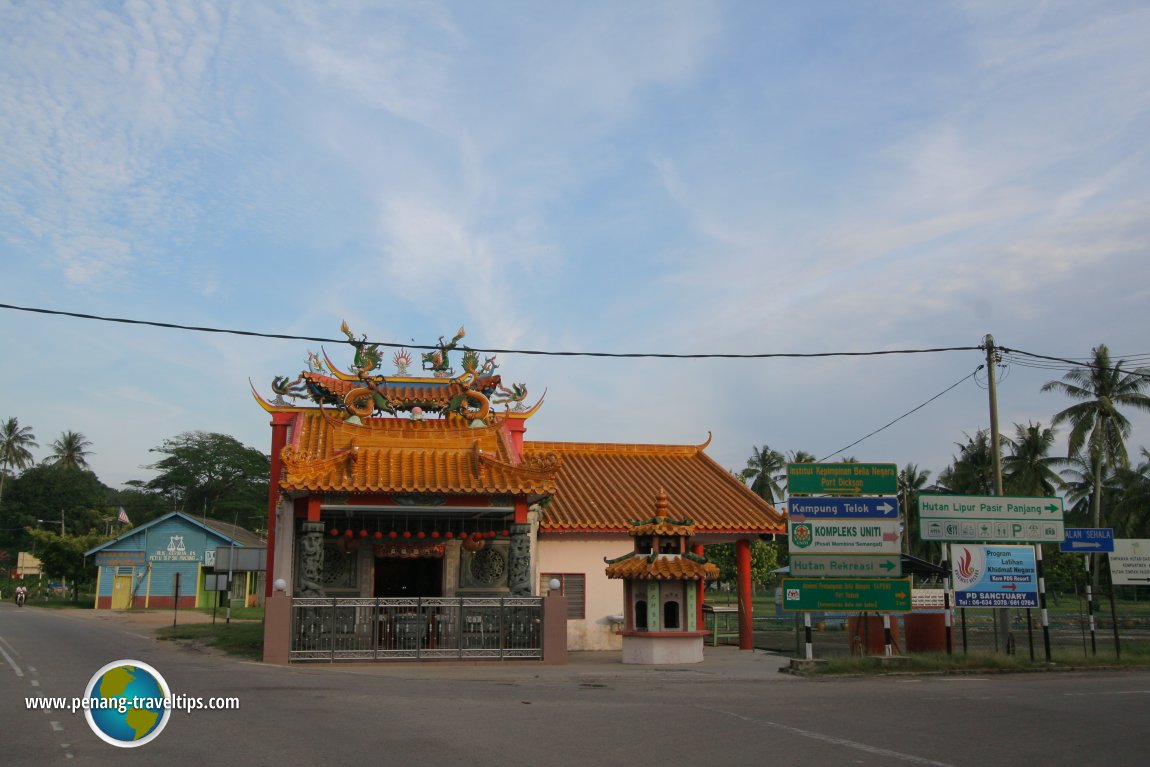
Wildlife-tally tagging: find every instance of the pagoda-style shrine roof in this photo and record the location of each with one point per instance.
(604, 488)
(396, 455)
(663, 567)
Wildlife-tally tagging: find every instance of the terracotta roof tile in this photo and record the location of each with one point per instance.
(673, 568)
(399, 455)
(606, 487)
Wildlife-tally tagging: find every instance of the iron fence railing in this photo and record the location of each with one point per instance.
(338, 629)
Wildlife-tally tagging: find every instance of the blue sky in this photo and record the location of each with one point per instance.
(616, 176)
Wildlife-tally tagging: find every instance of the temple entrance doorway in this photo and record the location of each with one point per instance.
(420, 577)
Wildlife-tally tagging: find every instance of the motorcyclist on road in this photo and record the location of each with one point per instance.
(21, 595)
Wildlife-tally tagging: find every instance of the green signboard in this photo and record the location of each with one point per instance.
(841, 595)
(842, 479)
(840, 565)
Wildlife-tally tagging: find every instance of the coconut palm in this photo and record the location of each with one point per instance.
(765, 468)
(972, 470)
(911, 482)
(1096, 422)
(1029, 469)
(14, 443)
(1132, 507)
(70, 451)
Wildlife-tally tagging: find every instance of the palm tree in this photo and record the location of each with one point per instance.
(972, 470)
(1132, 510)
(70, 451)
(1096, 422)
(14, 443)
(911, 482)
(765, 467)
(1029, 469)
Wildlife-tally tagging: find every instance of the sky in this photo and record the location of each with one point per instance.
(629, 177)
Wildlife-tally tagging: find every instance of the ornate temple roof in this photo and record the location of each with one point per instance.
(401, 456)
(607, 487)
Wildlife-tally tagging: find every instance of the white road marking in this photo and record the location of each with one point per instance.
(11, 662)
(836, 741)
(57, 726)
(35, 682)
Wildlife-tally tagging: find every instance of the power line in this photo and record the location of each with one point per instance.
(904, 415)
(538, 352)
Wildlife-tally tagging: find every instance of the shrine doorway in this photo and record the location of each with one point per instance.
(415, 577)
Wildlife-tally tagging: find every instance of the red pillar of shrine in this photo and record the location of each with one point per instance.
(280, 422)
(746, 596)
(700, 593)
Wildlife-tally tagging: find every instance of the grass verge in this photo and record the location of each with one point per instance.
(242, 639)
(1135, 656)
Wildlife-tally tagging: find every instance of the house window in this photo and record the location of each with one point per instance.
(571, 585)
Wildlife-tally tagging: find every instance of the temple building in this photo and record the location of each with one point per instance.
(422, 487)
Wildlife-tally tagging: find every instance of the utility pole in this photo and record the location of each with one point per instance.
(1002, 614)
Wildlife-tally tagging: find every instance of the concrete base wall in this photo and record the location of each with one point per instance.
(658, 650)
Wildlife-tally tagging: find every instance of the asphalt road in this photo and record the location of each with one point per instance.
(737, 711)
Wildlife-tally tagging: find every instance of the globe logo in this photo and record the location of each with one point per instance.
(125, 703)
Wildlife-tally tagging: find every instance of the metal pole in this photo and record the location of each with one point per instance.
(810, 642)
(1090, 608)
(948, 613)
(1042, 600)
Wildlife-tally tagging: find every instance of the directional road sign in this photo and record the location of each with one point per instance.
(843, 508)
(842, 595)
(842, 479)
(1088, 540)
(990, 518)
(830, 536)
(846, 565)
(994, 576)
(1130, 562)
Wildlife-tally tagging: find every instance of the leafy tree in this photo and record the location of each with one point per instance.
(764, 559)
(14, 453)
(62, 556)
(213, 474)
(1131, 517)
(70, 451)
(765, 468)
(1029, 469)
(49, 493)
(1096, 423)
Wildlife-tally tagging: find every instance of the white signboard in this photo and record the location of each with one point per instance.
(840, 536)
(1130, 562)
(990, 518)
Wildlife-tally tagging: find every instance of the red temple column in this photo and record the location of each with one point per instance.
(280, 422)
(746, 596)
(700, 593)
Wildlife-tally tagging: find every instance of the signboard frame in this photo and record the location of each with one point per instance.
(879, 595)
(842, 479)
(1005, 519)
(994, 576)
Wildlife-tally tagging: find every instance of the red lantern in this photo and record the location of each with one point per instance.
(378, 535)
(393, 534)
(463, 535)
(505, 533)
(449, 534)
(421, 534)
(349, 533)
(406, 533)
(333, 532)
(362, 533)
(434, 533)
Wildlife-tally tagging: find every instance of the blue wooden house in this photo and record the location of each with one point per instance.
(165, 563)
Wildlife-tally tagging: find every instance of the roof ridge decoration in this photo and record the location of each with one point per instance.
(467, 399)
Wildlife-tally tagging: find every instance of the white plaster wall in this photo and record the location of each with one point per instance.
(584, 554)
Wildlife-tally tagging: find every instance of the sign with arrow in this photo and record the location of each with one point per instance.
(1088, 540)
(843, 508)
(845, 536)
(1130, 562)
(844, 565)
(994, 576)
(842, 595)
(990, 518)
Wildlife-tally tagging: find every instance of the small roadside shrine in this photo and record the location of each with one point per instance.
(164, 563)
(662, 591)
